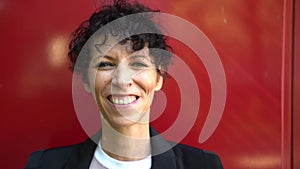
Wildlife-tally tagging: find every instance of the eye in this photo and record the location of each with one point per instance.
(104, 65)
(138, 64)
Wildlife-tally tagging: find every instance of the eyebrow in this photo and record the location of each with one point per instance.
(103, 56)
(139, 56)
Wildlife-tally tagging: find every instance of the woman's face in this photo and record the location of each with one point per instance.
(123, 83)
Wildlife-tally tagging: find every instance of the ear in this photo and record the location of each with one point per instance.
(160, 81)
(87, 87)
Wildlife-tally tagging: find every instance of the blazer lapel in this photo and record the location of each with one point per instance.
(163, 156)
(83, 155)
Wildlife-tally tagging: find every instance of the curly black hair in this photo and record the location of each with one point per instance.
(108, 13)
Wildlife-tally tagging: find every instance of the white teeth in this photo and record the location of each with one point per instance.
(123, 100)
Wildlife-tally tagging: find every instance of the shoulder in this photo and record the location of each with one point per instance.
(54, 156)
(191, 157)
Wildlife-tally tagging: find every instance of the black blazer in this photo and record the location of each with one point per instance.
(79, 156)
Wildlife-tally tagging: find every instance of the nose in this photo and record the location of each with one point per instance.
(122, 77)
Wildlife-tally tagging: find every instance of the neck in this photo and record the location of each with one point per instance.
(126, 143)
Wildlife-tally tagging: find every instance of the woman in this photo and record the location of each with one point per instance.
(122, 71)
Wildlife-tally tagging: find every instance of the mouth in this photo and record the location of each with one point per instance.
(122, 100)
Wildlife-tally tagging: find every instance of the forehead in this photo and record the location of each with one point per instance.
(102, 45)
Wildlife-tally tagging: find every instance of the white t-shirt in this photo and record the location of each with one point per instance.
(103, 161)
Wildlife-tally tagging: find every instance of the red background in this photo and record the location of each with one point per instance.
(256, 46)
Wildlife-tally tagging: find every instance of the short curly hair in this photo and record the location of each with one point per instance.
(108, 13)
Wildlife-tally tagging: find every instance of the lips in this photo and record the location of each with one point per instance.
(122, 100)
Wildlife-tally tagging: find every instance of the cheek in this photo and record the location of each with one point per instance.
(101, 81)
(147, 81)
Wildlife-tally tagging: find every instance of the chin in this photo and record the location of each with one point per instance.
(121, 122)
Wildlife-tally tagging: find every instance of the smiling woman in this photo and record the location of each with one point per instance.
(123, 82)
(122, 72)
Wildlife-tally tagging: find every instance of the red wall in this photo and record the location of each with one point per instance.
(35, 84)
(296, 87)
